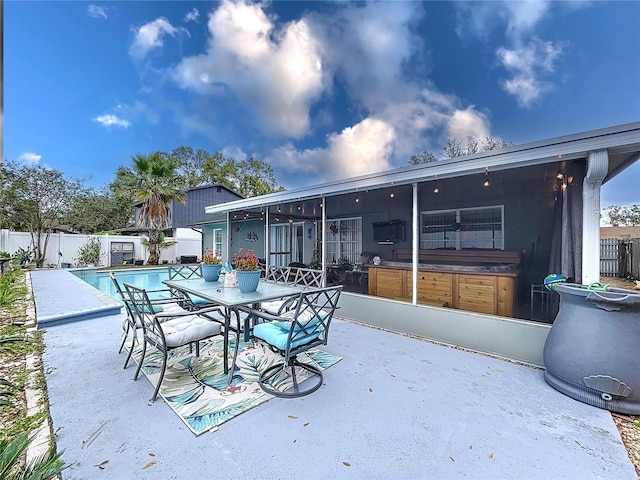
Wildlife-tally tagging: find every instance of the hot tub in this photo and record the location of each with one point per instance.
(591, 353)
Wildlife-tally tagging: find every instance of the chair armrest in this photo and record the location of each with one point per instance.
(259, 313)
(289, 302)
(203, 311)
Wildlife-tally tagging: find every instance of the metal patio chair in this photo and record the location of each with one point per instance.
(185, 272)
(304, 277)
(293, 333)
(276, 275)
(168, 330)
(163, 300)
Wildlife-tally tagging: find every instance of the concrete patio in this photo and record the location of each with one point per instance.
(394, 407)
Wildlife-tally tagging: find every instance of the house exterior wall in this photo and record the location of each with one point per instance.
(193, 211)
(516, 339)
(185, 215)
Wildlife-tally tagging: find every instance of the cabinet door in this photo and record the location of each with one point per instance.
(477, 293)
(391, 283)
(434, 288)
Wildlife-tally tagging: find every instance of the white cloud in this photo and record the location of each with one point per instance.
(235, 152)
(277, 72)
(527, 66)
(29, 158)
(528, 60)
(150, 36)
(364, 148)
(192, 16)
(137, 111)
(96, 12)
(112, 121)
(368, 46)
(518, 19)
(468, 123)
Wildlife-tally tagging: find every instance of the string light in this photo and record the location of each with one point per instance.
(436, 190)
(486, 182)
(391, 195)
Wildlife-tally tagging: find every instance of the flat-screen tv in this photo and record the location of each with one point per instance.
(391, 231)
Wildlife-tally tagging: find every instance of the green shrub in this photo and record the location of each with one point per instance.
(90, 253)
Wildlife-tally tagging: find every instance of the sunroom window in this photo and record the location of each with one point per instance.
(463, 228)
(344, 240)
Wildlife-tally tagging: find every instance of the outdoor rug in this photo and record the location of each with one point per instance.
(197, 389)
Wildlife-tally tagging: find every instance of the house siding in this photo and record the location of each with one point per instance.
(185, 215)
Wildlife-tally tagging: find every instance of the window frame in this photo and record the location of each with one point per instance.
(453, 238)
(337, 246)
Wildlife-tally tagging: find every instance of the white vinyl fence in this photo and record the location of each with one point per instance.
(620, 258)
(63, 247)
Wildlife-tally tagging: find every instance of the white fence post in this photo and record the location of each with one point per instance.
(609, 257)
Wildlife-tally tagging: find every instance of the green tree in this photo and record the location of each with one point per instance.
(252, 178)
(37, 200)
(154, 182)
(249, 177)
(423, 157)
(101, 211)
(628, 216)
(456, 148)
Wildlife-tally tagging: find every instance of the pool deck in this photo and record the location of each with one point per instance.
(393, 407)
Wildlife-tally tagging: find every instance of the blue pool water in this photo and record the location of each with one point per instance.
(149, 279)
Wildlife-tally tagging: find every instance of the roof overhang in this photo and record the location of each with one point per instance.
(622, 143)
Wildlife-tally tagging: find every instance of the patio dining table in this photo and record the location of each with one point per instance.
(231, 298)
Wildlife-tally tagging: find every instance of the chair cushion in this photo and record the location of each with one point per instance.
(169, 308)
(182, 330)
(272, 307)
(307, 319)
(275, 335)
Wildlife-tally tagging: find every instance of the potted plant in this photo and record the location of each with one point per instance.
(247, 270)
(210, 266)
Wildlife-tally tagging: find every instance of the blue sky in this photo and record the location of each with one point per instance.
(317, 90)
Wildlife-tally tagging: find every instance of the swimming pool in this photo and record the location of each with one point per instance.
(147, 278)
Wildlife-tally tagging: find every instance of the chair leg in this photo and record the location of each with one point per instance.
(134, 340)
(144, 351)
(310, 385)
(124, 337)
(235, 357)
(164, 368)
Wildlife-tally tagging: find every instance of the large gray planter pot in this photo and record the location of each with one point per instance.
(591, 353)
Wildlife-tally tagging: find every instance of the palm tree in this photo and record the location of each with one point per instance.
(153, 180)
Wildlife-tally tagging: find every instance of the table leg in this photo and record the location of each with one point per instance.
(227, 326)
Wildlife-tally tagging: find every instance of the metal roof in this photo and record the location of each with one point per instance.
(622, 143)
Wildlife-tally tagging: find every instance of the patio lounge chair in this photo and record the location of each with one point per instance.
(163, 301)
(294, 332)
(168, 330)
